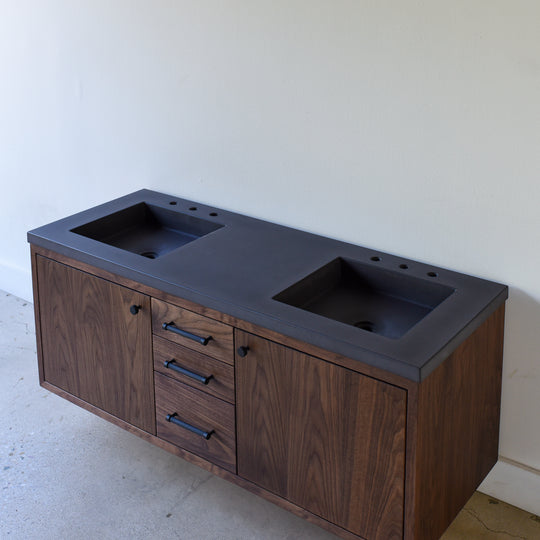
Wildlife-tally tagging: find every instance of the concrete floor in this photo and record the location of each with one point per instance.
(66, 474)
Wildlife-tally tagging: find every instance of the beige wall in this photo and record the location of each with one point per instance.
(409, 126)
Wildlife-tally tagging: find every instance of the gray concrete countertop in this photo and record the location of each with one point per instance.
(239, 268)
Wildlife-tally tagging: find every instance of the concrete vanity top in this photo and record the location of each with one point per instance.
(238, 269)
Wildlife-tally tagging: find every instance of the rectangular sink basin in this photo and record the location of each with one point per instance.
(146, 229)
(377, 300)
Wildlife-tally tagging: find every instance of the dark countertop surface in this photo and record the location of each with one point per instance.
(239, 268)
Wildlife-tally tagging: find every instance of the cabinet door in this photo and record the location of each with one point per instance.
(326, 438)
(92, 345)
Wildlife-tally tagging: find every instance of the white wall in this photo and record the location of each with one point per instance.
(409, 126)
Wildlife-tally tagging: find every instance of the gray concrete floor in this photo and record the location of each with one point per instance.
(66, 474)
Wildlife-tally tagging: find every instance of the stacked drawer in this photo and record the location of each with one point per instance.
(194, 382)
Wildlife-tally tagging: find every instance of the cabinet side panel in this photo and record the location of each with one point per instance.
(35, 289)
(326, 438)
(92, 346)
(458, 428)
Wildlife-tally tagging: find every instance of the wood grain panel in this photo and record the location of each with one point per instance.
(458, 428)
(201, 411)
(92, 346)
(221, 385)
(326, 438)
(220, 346)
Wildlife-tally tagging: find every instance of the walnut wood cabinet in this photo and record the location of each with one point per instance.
(357, 450)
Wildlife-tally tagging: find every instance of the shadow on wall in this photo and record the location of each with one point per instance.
(521, 379)
(522, 335)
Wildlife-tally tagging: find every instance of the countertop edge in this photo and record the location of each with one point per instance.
(475, 323)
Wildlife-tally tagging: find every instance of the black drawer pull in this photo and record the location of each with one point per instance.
(173, 418)
(171, 327)
(171, 364)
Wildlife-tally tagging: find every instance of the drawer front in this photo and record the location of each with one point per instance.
(197, 327)
(201, 411)
(190, 367)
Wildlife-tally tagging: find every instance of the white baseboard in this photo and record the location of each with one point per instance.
(514, 484)
(16, 281)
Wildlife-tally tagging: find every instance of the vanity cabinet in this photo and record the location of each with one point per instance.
(358, 450)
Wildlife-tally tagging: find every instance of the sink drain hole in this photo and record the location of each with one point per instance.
(149, 254)
(368, 326)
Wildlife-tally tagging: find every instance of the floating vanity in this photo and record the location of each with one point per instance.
(357, 389)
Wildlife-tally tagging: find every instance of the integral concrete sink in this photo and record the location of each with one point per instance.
(147, 230)
(373, 299)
